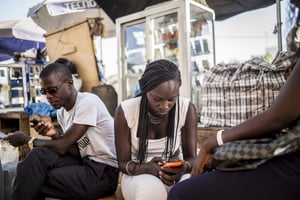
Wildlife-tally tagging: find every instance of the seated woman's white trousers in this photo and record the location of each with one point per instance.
(145, 187)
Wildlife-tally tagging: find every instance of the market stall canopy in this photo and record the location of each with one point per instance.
(24, 29)
(54, 14)
(19, 36)
(223, 8)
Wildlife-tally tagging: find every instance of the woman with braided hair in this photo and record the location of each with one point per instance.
(154, 128)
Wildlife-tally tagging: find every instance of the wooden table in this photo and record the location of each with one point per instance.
(13, 121)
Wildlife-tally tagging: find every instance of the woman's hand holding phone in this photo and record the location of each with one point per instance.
(173, 164)
(171, 172)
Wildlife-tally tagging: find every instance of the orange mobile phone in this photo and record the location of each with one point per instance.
(173, 164)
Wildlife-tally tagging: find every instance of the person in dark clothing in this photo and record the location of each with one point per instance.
(276, 179)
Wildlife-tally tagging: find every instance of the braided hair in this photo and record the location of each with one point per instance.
(156, 72)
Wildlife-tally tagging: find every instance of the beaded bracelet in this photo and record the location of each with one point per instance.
(127, 165)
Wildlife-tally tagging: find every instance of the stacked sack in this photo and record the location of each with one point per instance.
(233, 93)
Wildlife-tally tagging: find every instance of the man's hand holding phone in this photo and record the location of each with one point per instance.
(34, 122)
(43, 128)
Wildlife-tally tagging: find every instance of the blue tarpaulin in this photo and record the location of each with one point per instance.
(42, 109)
(19, 36)
(8, 46)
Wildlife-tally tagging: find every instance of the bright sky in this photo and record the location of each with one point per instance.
(247, 34)
(237, 38)
(15, 9)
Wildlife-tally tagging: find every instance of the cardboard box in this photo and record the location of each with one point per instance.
(75, 42)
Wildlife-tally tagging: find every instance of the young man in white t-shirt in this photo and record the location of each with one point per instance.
(80, 162)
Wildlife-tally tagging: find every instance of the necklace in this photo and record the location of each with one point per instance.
(154, 120)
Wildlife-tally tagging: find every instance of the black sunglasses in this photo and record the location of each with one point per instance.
(51, 90)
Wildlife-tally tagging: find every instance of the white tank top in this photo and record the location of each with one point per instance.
(156, 147)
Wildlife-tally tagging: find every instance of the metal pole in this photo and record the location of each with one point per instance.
(2, 185)
(279, 31)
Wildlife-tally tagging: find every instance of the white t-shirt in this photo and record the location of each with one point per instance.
(98, 142)
(156, 147)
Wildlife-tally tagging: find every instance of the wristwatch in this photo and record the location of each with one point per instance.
(30, 142)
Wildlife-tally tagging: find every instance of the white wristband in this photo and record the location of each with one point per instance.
(219, 137)
(30, 142)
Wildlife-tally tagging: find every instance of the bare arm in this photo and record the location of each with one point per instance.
(284, 110)
(48, 129)
(122, 139)
(123, 149)
(65, 143)
(189, 135)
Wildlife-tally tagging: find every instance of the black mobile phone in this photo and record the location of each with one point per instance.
(34, 121)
